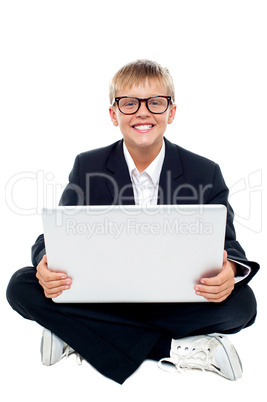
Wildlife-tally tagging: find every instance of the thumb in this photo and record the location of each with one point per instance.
(224, 256)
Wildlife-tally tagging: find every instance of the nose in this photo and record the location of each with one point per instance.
(143, 110)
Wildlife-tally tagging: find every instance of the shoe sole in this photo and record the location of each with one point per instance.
(233, 358)
(47, 342)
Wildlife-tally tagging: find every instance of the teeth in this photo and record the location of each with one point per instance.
(143, 127)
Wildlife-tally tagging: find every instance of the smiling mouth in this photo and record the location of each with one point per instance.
(143, 127)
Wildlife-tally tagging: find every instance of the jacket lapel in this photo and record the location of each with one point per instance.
(170, 174)
(120, 186)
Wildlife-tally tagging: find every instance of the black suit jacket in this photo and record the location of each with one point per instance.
(101, 177)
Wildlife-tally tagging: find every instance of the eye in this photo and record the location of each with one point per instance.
(157, 102)
(128, 103)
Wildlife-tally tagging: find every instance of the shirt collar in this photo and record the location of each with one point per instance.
(153, 170)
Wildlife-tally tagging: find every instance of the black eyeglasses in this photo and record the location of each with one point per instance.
(155, 104)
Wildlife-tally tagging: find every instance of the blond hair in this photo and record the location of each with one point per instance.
(137, 72)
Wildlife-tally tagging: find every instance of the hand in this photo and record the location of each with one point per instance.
(218, 288)
(53, 283)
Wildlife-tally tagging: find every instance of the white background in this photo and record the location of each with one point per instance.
(57, 58)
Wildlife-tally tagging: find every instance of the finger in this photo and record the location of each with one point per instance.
(52, 296)
(217, 280)
(215, 297)
(55, 289)
(214, 291)
(229, 284)
(56, 284)
(47, 275)
(218, 299)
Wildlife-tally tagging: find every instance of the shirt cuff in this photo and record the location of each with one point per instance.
(243, 270)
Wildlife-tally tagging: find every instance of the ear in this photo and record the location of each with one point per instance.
(172, 114)
(113, 116)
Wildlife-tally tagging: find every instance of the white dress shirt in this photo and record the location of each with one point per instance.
(146, 185)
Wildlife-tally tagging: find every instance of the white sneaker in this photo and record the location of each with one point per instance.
(212, 352)
(53, 349)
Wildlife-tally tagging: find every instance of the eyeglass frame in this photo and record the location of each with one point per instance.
(118, 98)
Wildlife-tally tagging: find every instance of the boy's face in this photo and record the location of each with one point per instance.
(143, 129)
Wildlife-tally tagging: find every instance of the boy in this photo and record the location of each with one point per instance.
(144, 169)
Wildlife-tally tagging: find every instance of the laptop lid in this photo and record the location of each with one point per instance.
(134, 254)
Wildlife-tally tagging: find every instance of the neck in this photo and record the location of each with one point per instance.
(143, 157)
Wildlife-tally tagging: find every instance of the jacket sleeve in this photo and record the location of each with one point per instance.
(38, 250)
(219, 195)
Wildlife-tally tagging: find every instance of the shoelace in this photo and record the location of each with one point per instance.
(68, 351)
(184, 362)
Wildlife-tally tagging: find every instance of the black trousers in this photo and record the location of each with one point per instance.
(117, 338)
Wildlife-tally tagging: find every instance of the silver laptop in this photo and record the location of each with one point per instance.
(134, 254)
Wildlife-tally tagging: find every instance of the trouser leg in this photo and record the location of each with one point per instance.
(116, 338)
(107, 336)
(238, 311)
